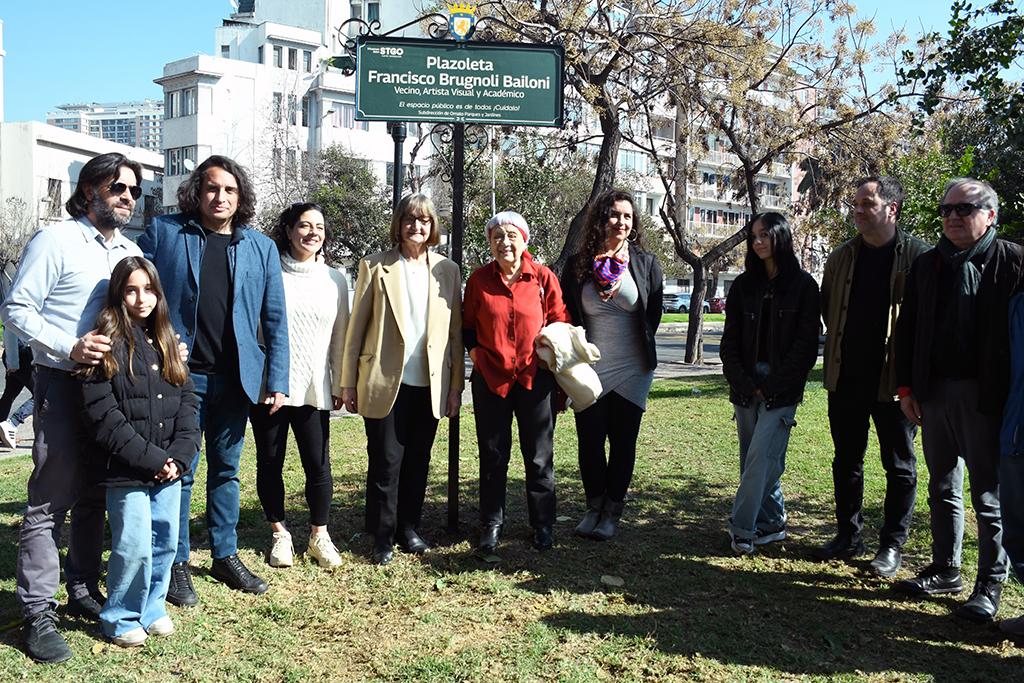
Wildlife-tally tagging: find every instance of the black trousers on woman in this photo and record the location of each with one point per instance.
(270, 433)
(616, 420)
(533, 412)
(399, 460)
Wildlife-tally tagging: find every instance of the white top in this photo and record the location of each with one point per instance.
(416, 283)
(316, 297)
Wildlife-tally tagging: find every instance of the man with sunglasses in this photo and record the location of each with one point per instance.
(862, 291)
(953, 374)
(59, 290)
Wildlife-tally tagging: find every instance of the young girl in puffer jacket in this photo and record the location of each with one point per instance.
(142, 414)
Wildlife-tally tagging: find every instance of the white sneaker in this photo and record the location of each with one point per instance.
(281, 550)
(742, 546)
(133, 638)
(323, 551)
(8, 434)
(161, 627)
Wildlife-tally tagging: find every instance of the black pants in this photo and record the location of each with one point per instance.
(398, 447)
(848, 413)
(616, 420)
(533, 412)
(270, 432)
(16, 381)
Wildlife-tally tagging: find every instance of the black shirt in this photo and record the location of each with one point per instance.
(867, 317)
(215, 350)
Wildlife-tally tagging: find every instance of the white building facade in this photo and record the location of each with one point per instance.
(136, 124)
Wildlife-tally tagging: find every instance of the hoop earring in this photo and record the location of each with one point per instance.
(633, 236)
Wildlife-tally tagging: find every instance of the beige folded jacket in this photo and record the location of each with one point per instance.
(569, 356)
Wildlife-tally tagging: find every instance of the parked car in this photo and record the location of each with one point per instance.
(717, 304)
(679, 303)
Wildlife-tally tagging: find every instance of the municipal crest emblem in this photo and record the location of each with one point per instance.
(461, 20)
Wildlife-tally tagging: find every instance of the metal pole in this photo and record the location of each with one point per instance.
(397, 130)
(458, 189)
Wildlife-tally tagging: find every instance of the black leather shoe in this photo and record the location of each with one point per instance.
(231, 572)
(840, 548)
(887, 562)
(983, 604)
(489, 539)
(411, 542)
(932, 581)
(383, 552)
(543, 539)
(42, 641)
(88, 606)
(181, 592)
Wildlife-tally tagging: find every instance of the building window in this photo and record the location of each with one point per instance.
(277, 113)
(389, 173)
(293, 109)
(305, 111)
(373, 11)
(345, 117)
(291, 159)
(175, 158)
(259, 55)
(278, 171)
(225, 51)
(293, 59)
(53, 196)
(307, 61)
(176, 103)
(278, 52)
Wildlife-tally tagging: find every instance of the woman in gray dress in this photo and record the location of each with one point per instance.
(613, 288)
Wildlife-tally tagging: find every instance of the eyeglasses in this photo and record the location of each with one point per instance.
(117, 189)
(963, 209)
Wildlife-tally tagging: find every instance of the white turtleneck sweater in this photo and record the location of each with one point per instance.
(316, 297)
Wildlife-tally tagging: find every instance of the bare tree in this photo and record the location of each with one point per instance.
(17, 225)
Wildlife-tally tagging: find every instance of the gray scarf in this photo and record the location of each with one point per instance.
(966, 274)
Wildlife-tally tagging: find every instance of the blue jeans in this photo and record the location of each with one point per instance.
(764, 436)
(223, 413)
(23, 412)
(143, 530)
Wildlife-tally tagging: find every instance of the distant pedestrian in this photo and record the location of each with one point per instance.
(17, 358)
(769, 345)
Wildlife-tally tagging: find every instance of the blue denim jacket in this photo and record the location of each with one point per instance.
(175, 244)
(1011, 438)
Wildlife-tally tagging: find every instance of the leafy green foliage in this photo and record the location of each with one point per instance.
(924, 174)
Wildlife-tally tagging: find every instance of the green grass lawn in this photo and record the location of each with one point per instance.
(683, 317)
(688, 609)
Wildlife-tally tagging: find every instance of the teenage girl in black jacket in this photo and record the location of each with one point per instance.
(143, 416)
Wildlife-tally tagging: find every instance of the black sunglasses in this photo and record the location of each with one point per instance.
(117, 189)
(963, 209)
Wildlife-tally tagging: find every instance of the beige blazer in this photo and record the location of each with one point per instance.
(374, 347)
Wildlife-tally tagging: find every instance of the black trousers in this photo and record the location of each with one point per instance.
(270, 433)
(617, 421)
(533, 412)
(849, 410)
(398, 447)
(16, 381)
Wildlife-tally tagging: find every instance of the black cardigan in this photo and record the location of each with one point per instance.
(646, 271)
(139, 421)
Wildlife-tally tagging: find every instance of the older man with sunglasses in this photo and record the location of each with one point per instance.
(53, 303)
(953, 375)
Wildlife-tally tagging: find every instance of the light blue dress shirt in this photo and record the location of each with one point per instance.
(61, 287)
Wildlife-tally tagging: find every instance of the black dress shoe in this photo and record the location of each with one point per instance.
(840, 548)
(180, 592)
(932, 581)
(88, 606)
(983, 604)
(887, 562)
(42, 641)
(383, 553)
(411, 542)
(231, 572)
(489, 539)
(543, 539)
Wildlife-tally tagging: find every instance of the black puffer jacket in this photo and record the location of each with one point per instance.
(138, 421)
(792, 343)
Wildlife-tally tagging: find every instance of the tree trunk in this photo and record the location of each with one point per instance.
(716, 268)
(695, 329)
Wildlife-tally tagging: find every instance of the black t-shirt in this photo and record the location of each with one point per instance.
(214, 350)
(867, 317)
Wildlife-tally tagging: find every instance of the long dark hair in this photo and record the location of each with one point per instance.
(115, 322)
(288, 218)
(190, 191)
(593, 229)
(97, 171)
(776, 226)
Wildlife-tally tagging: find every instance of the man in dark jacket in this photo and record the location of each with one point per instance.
(953, 373)
(861, 295)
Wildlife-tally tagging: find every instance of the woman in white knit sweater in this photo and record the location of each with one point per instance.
(316, 296)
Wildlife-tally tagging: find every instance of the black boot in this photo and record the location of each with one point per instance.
(609, 524)
(489, 538)
(591, 518)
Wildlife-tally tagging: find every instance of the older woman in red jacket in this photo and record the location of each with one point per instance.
(506, 304)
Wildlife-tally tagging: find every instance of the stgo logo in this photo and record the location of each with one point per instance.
(386, 51)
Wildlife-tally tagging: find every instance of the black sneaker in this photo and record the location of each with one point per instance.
(983, 604)
(42, 641)
(181, 592)
(932, 581)
(231, 572)
(88, 606)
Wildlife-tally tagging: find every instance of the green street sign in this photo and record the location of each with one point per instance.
(410, 79)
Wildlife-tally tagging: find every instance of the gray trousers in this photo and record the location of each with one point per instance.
(953, 434)
(59, 483)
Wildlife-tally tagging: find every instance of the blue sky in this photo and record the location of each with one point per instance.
(61, 51)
